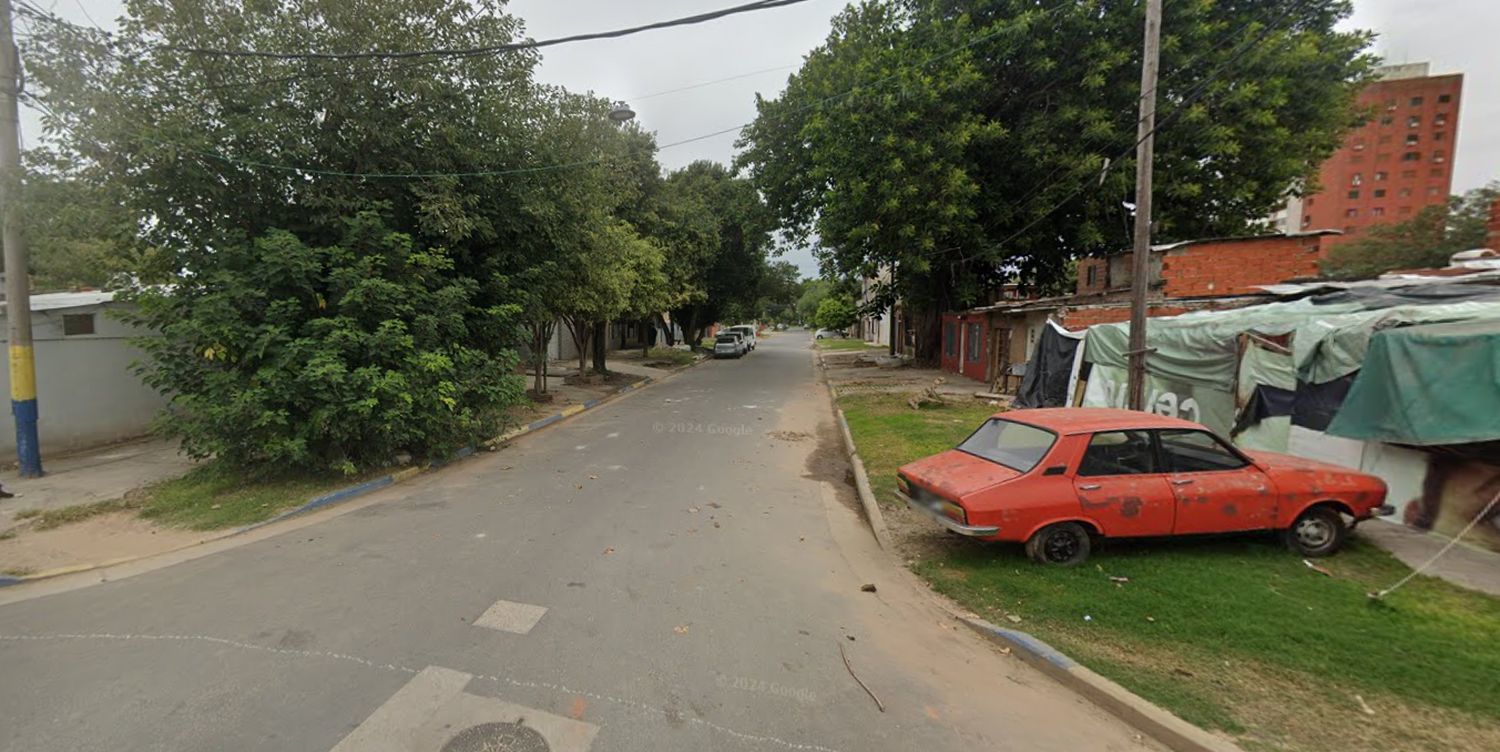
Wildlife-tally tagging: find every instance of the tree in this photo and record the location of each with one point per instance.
(343, 235)
(288, 355)
(1426, 241)
(780, 286)
(836, 313)
(813, 293)
(964, 143)
(77, 234)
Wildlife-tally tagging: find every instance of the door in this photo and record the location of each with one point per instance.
(1120, 485)
(1217, 489)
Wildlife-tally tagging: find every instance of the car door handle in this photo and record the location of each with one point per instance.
(1094, 487)
(1184, 482)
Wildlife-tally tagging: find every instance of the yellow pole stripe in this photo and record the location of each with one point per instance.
(22, 373)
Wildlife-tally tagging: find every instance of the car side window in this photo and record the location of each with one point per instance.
(1197, 452)
(1119, 453)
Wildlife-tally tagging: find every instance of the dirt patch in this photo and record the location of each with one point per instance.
(659, 364)
(110, 536)
(789, 435)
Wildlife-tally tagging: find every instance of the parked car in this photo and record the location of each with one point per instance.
(828, 334)
(749, 332)
(1059, 478)
(729, 345)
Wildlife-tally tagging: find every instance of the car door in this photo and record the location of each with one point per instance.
(1120, 485)
(1218, 489)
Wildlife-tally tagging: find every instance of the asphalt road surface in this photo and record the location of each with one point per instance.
(676, 570)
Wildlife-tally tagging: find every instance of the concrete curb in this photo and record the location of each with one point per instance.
(861, 478)
(1175, 733)
(370, 486)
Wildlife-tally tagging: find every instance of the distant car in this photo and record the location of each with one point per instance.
(1058, 478)
(828, 334)
(729, 345)
(749, 333)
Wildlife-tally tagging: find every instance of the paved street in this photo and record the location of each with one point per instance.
(676, 570)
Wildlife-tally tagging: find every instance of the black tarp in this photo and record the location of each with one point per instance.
(1046, 381)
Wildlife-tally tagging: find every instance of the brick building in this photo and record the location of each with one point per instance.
(1396, 164)
(989, 343)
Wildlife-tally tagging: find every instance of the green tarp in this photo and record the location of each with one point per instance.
(1427, 385)
(1197, 361)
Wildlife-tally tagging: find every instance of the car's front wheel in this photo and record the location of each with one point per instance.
(1062, 543)
(1318, 531)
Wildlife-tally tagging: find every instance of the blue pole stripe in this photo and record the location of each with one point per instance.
(28, 448)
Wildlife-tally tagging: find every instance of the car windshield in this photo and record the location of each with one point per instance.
(726, 339)
(1015, 445)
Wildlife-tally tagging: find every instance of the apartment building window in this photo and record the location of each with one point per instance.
(1307, 222)
(1440, 136)
(1416, 101)
(1379, 193)
(1359, 145)
(1412, 156)
(1351, 213)
(1405, 193)
(1436, 172)
(1378, 211)
(1411, 139)
(1445, 98)
(1382, 157)
(1413, 121)
(1382, 175)
(1353, 194)
(1440, 119)
(1408, 173)
(1390, 105)
(1310, 200)
(1432, 191)
(1439, 156)
(1403, 211)
(1357, 178)
(1387, 120)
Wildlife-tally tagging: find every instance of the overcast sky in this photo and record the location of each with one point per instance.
(1454, 35)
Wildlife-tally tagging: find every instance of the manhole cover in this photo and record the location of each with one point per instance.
(497, 737)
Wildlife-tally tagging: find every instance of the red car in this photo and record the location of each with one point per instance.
(1057, 478)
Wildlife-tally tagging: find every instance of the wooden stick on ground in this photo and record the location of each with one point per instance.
(845, 656)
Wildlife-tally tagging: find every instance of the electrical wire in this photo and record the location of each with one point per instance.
(711, 83)
(700, 18)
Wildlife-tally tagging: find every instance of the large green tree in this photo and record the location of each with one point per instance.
(268, 185)
(964, 143)
(1426, 241)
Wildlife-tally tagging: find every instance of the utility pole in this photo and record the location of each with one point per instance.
(17, 280)
(1145, 151)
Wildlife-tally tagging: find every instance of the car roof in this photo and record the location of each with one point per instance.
(1074, 420)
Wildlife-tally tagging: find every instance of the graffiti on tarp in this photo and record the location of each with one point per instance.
(1161, 398)
(1458, 494)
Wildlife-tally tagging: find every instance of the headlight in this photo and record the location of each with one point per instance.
(902, 485)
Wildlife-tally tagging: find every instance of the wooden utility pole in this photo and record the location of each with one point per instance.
(1145, 151)
(17, 279)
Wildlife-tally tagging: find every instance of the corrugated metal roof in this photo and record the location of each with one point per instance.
(56, 300)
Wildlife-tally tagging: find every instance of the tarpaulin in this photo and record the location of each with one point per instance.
(1051, 369)
(1427, 385)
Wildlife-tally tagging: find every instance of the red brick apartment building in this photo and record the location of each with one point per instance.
(1396, 164)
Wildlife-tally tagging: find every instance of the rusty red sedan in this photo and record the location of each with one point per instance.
(1059, 479)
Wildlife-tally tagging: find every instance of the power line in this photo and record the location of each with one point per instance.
(690, 87)
(493, 49)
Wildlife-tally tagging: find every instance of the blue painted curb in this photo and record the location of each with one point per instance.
(1023, 641)
(7, 581)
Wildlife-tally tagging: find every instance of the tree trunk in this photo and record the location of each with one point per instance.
(581, 332)
(601, 344)
(648, 333)
(928, 325)
(541, 335)
(666, 328)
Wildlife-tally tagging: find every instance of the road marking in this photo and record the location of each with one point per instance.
(509, 616)
(433, 708)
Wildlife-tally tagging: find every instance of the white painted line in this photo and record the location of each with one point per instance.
(433, 708)
(509, 616)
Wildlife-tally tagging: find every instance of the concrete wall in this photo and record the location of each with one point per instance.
(86, 393)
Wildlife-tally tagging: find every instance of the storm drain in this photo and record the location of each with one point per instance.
(497, 737)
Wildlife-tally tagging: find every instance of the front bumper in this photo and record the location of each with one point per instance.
(1384, 510)
(948, 522)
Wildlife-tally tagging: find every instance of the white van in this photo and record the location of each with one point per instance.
(748, 330)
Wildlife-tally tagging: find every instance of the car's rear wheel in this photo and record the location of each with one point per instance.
(1318, 531)
(1062, 543)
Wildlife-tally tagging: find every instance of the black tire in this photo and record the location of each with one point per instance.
(1063, 544)
(1318, 531)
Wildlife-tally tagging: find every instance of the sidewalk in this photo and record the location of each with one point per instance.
(853, 371)
(100, 475)
(1462, 565)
